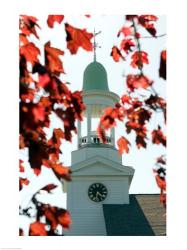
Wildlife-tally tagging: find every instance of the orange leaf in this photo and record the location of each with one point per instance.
(54, 18)
(139, 58)
(78, 38)
(161, 182)
(123, 145)
(158, 137)
(30, 52)
(37, 229)
(127, 31)
(64, 219)
(116, 54)
(21, 167)
(54, 64)
(126, 45)
(138, 81)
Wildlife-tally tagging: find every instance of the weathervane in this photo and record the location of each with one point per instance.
(95, 45)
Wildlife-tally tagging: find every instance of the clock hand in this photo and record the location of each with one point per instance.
(99, 194)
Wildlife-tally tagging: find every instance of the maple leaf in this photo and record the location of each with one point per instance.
(28, 24)
(55, 140)
(52, 60)
(158, 137)
(126, 99)
(101, 133)
(140, 140)
(131, 17)
(49, 187)
(61, 172)
(21, 167)
(26, 93)
(30, 52)
(126, 31)
(161, 182)
(123, 145)
(138, 81)
(23, 39)
(162, 69)
(54, 18)
(88, 16)
(126, 45)
(38, 151)
(23, 181)
(116, 54)
(78, 38)
(21, 232)
(161, 160)
(64, 219)
(145, 20)
(37, 229)
(139, 58)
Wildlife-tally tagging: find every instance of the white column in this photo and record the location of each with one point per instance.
(112, 135)
(89, 123)
(79, 132)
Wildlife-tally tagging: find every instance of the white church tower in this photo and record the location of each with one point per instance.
(98, 176)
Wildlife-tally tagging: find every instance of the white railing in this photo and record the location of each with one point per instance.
(94, 139)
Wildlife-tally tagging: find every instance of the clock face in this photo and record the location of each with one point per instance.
(97, 192)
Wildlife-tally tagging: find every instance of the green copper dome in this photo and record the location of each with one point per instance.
(95, 77)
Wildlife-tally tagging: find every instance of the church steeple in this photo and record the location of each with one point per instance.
(96, 96)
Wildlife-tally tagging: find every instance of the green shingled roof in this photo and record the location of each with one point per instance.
(95, 77)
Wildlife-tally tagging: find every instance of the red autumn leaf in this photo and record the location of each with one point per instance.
(37, 229)
(138, 81)
(131, 17)
(23, 181)
(78, 38)
(64, 219)
(43, 80)
(53, 62)
(21, 232)
(126, 31)
(162, 69)
(23, 39)
(163, 197)
(21, 167)
(123, 145)
(145, 20)
(161, 160)
(54, 18)
(30, 52)
(158, 137)
(126, 99)
(161, 182)
(61, 172)
(140, 140)
(38, 151)
(139, 58)
(116, 54)
(126, 45)
(26, 93)
(55, 140)
(101, 133)
(28, 24)
(49, 187)
(88, 16)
